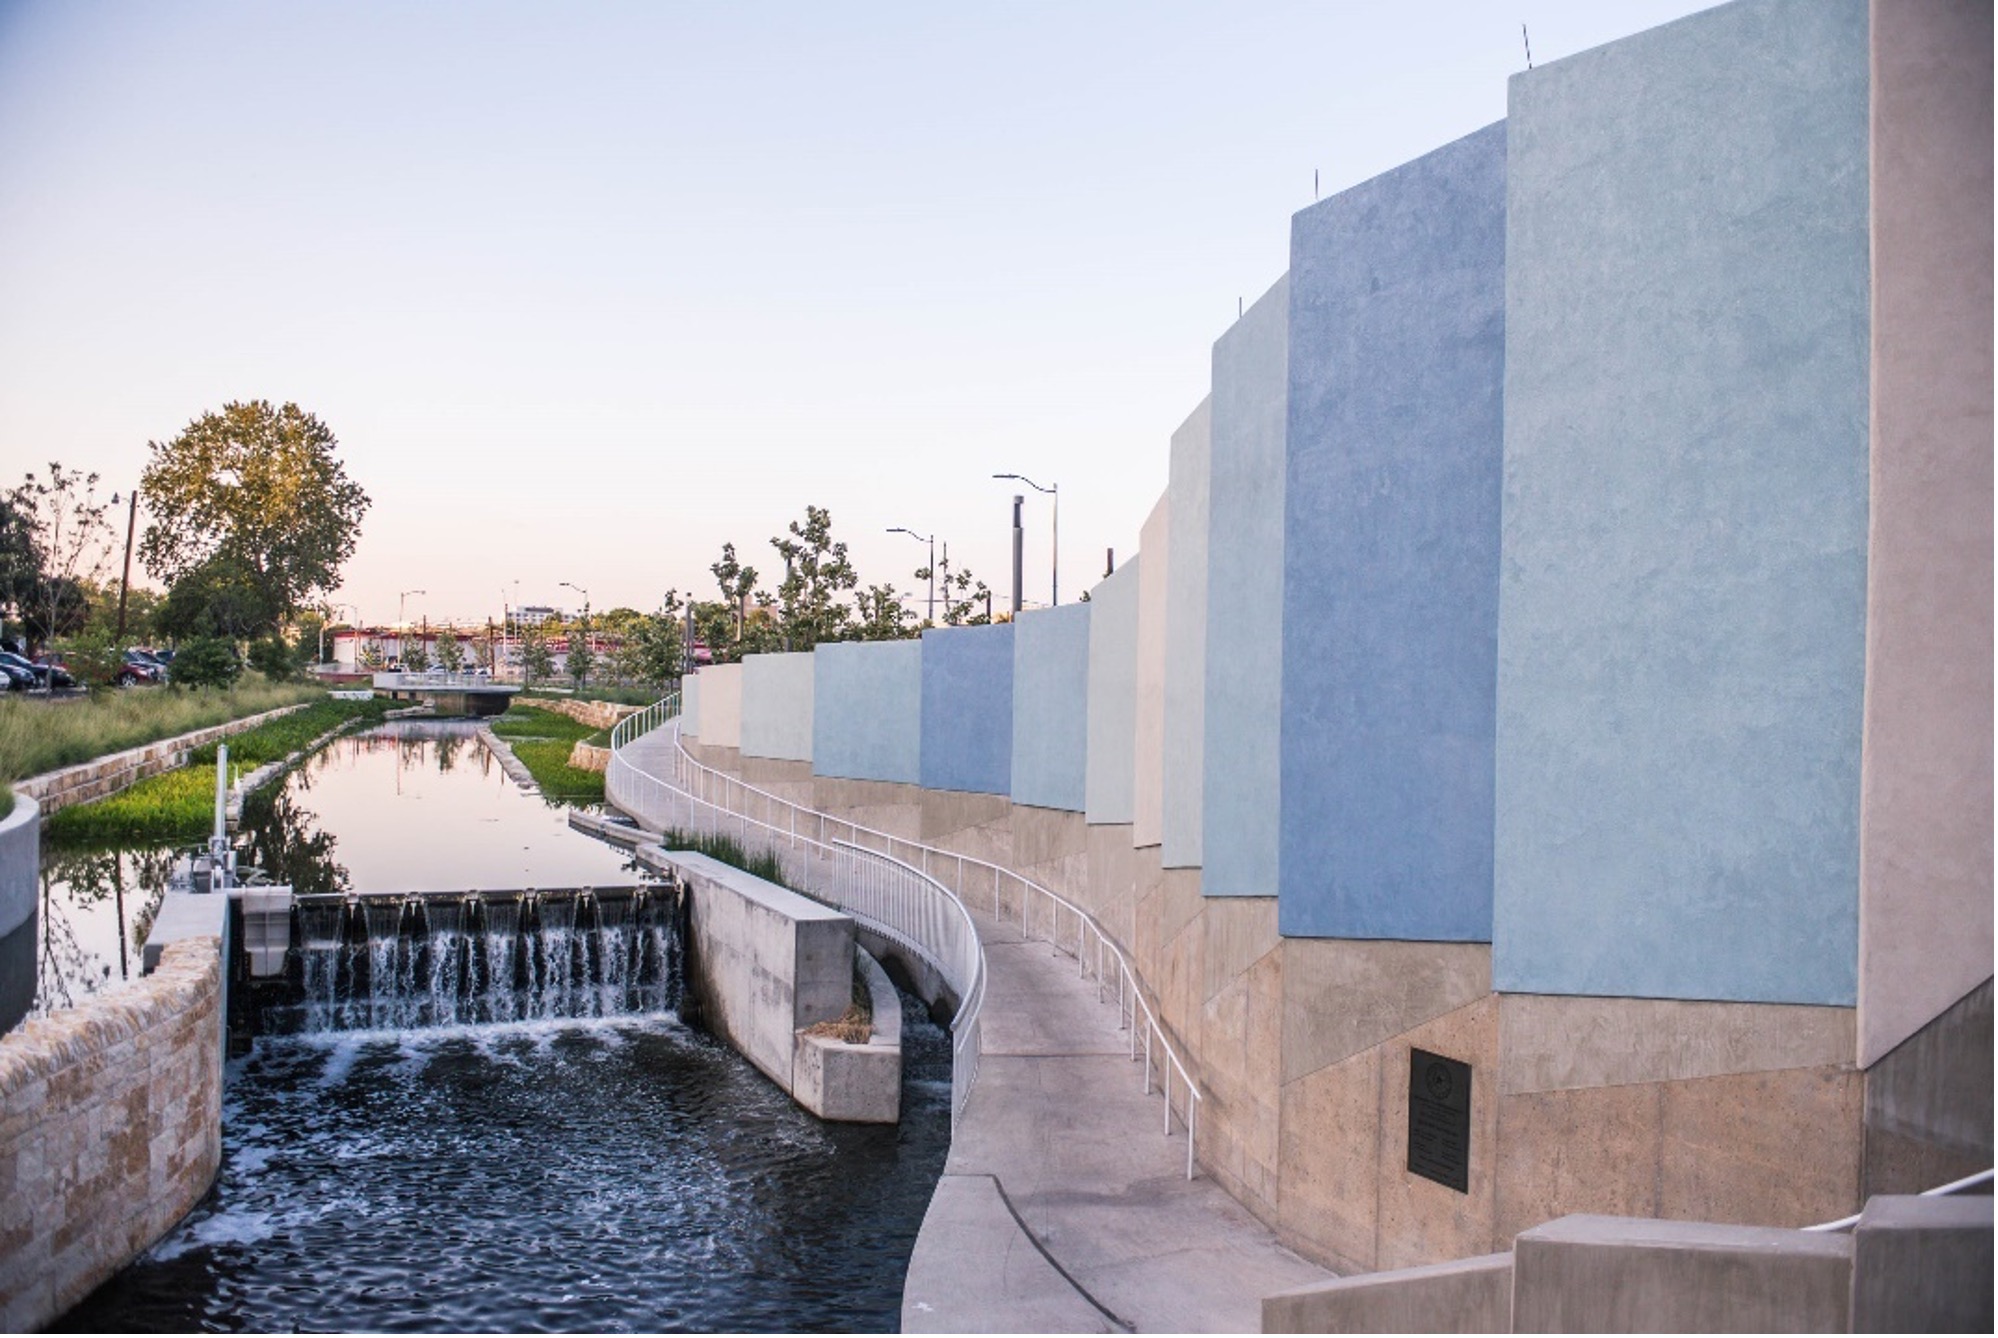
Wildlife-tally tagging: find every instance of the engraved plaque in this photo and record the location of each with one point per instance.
(1439, 1119)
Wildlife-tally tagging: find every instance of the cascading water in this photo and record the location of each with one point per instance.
(402, 963)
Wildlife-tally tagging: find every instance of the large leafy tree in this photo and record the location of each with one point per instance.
(260, 487)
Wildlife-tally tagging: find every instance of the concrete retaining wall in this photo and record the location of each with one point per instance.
(766, 963)
(20, 886)
(110, 1130)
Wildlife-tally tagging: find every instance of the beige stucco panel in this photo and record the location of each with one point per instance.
(1925, 787)
(721, 706)
(1766, 1149)
(1329, 1156)
(1559, 1041)
(1342, 996)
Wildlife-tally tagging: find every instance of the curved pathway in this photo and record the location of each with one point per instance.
(1064, 1207)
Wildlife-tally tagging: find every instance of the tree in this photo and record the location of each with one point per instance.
(260, 487)
(415, 657)
(308, 636)
(965, 598)
(535, 661)
(19, 567)
(222, 597)
(882, 617)
(582, 661)
(816, 571)
(450, 654)
(736, 582)
(66, 534)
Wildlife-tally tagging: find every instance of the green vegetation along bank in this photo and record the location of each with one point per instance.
(180, 804)
(543, 740)
(37, 735)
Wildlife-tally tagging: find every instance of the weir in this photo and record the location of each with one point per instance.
(399, 961)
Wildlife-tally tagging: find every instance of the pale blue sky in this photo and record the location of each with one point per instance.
(585, 290)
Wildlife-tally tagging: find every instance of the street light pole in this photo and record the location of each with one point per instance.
(589, 639)
(931, 540)
(1054, 561)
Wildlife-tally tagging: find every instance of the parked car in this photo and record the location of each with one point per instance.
(140, 667)
(18, 680)
(41, 674)
(58, 675)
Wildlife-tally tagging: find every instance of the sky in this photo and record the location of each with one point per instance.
(586, 290)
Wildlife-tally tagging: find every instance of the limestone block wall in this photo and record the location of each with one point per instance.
(1113, 695)
(1181, 769)
(1682, 606)
(110, 1130)
(1391, 551)
(777, 706)
(1244, 675)
(597, 715)
(1051, 705)
(968, 709)
(113, 772)
(867, 716)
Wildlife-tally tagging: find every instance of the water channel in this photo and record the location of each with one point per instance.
(597, 1165)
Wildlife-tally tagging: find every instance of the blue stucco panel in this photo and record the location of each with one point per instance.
(1391, 552)
(867, 716)
(1683, 585)
(1051, 706)
(1240, 760)
(968, 709)
(1180, 768)
(1113, 696)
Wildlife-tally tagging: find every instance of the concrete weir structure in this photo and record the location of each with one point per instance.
(1601, 698)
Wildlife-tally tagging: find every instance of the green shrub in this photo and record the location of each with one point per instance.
(206, 662)
(273, 658)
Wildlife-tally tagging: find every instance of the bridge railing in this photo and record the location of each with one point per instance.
(437, 678)
(1040, 912)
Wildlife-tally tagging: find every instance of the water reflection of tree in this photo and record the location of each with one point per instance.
(81, 881)
(286, 844)
(447, 751)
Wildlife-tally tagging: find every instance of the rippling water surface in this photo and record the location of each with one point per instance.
(620, 1174)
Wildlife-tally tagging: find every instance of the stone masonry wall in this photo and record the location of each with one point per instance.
(597, 715)
(114, 771)
(110, 1130)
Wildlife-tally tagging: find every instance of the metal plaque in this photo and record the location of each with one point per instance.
(1439, 1119)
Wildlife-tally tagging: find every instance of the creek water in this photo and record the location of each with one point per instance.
(502, 1124)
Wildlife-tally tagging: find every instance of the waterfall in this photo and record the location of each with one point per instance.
(401, 963)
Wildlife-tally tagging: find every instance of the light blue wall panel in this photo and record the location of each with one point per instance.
(1113, 696)
(867, 710)
(1391, 551)
(777, 706)
(968, 709)
(1186, 643)
(1683, 595)
(1051, 706)
(1240, 761)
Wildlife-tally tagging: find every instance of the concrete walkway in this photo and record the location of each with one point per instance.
(1064, 1207)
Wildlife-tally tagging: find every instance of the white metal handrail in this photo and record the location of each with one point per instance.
(1034, 906)
(884, 894)
(1969, 1184)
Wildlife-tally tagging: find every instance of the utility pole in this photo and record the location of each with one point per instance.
(125, 585)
